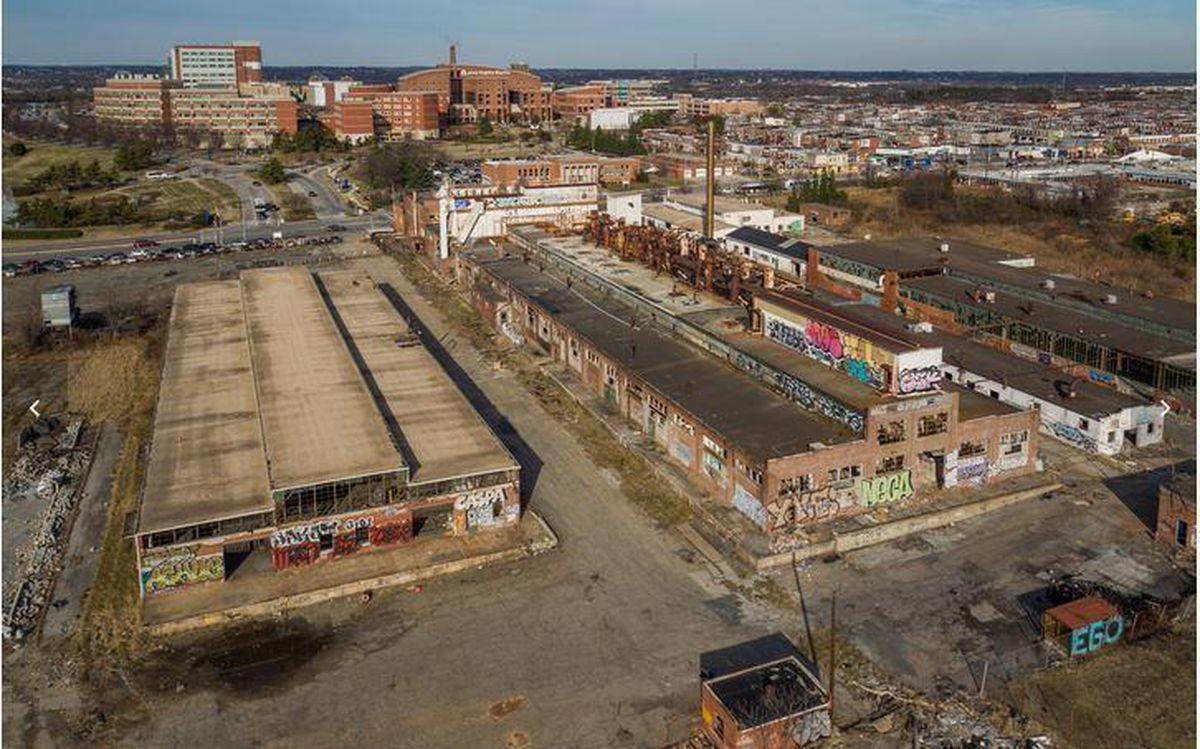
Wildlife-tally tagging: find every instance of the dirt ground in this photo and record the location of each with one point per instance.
(1138, 694)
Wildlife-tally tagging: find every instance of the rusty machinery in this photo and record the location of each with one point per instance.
(702, 264)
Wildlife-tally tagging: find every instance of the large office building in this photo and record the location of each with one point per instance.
(470, 93)
(216, 64)
(300, 417)
(213, 89)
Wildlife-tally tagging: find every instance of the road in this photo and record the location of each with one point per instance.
(233, 233)
(327, 203)
(595, 644)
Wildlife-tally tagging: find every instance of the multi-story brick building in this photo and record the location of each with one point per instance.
(469, 93)
(694, 106)
(400, 114)
(353, 121)
(561, 170)
(212, 88)
(133, 100)
(577, 102)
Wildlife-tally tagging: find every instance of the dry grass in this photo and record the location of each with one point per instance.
(116, 382)
(1057, 244)
(1138, 694)
(18, 169)
(654, 495)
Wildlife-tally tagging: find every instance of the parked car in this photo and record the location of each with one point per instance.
(30, 266)
(312, 193)
(334, 228)
(144, 244)
(115, 258)
(10, 269)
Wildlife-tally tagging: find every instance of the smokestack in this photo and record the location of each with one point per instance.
(711, 180)
(453, 55)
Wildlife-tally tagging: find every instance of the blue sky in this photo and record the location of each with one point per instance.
(1032, 35)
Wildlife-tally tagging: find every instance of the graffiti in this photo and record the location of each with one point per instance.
(748, 505)
(1071, 435)
(801, 393)
(824, 339)
(299, 555)
(814, 401)
(1104, 377)
(512, 333)
(974, 470)
(311, 533)
(864, 372)
(908, 404)
(391, 533)
(1091, 637)
(919, 379)
(481, 506)
(182, 567)
(811, 505)
(886, 488)
(1011, 462)
(1044, 358)
(345, 544)
(824, 343)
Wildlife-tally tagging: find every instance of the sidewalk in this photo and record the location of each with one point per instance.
(259, 590)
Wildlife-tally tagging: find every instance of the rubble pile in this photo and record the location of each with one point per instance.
(52, 475)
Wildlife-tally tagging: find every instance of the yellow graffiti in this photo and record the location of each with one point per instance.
(183, 569)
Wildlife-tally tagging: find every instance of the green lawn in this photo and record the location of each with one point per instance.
(17, 169)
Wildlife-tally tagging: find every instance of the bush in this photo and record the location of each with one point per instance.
(18, 149)
(272, 171)
(42, 233)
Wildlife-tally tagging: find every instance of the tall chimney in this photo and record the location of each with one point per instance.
(812, 268)
(891, 291)
(453, 55)
(711, 180)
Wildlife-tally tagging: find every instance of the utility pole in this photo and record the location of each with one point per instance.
(711, 179)
(832, 653)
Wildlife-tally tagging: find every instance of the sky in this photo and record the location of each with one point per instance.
(1009, 35)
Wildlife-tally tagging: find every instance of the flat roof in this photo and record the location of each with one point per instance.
(724, 661)
(1050, 316)
(769, 692)
(729, 402)
(909, 254)
(1082, 611)
(207, 460)
(444, 434)
(681, 219)
(771, 242)
(320, 423)
(721, 204)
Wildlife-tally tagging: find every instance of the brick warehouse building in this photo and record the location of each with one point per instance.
(779, 463)
(468, 93)
(288, 423)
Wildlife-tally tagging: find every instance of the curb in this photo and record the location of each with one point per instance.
(358, 587)
(884, 532)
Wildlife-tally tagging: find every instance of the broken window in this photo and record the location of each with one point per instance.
(891, 432)
(1013, 443)
(971, 449)
(795, 484)
(932, 424)
(889, 464)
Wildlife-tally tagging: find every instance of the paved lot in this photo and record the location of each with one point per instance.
(599, 639)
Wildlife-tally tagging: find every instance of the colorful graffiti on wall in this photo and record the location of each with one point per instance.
(1070, 434)
(483, 507)
(919, 379)
(827, 345)
(312, 532)
(1091, 637)
(972, 470)
(885, 489)
(802, 393)
(792, 510)
(182, 566)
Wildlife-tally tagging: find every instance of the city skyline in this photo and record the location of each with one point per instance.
(930, 35)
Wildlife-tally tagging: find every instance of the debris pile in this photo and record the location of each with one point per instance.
(52, 474)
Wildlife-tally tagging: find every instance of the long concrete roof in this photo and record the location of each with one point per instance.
(320, 422)
(206, 460)
(444, 435)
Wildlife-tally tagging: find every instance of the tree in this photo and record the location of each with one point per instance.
(18, 149)
(485, 126)
(133, 156)
(397, 166)
(272, 171)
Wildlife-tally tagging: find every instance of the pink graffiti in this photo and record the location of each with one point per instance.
(824, 338)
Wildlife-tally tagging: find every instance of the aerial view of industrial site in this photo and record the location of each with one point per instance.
(540, 375)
